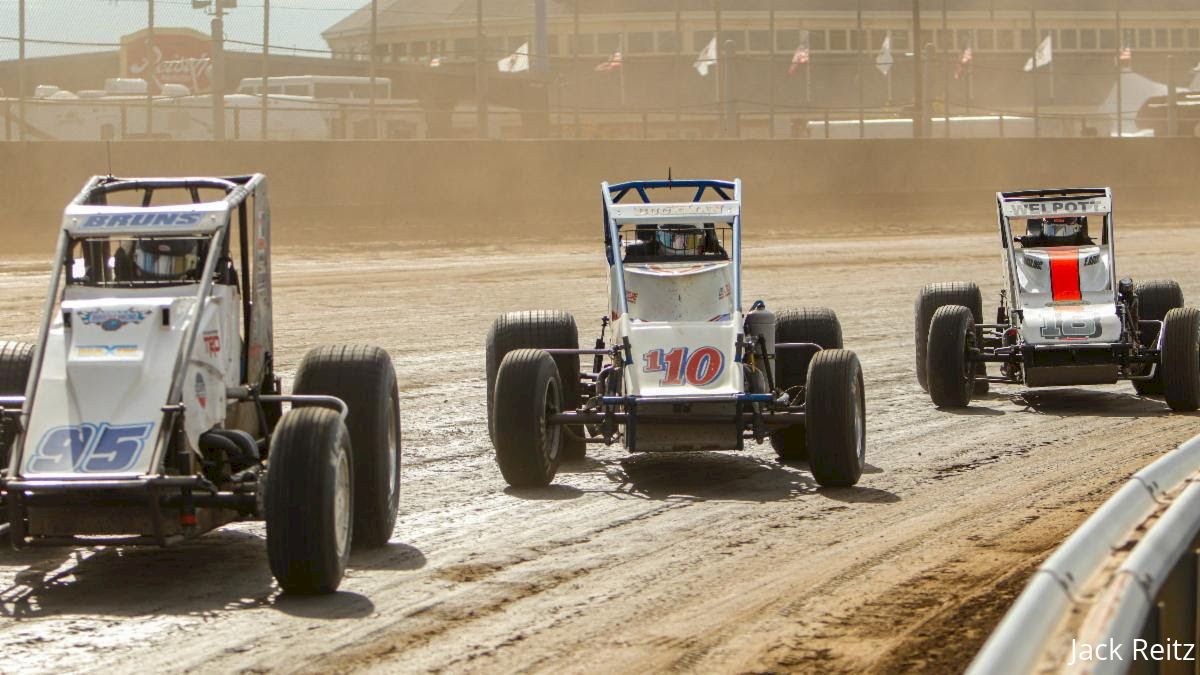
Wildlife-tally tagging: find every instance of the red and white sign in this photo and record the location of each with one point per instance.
(178, 56)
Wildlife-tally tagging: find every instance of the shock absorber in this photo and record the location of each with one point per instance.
(598, 360)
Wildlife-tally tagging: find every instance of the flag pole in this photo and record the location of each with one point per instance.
(945, 59)
(771, 71)
(1037, 121)
(858, 57)
(1120, 67)
(918, 75)
(678, 58)
(719, 79)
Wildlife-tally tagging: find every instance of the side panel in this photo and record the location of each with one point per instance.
(262, 332)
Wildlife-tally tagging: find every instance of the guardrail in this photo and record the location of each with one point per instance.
(1151, 596)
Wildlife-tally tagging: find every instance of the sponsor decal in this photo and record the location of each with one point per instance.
(1063, 208)
(631, 297)
(725, 292)
(89, 448)
(201, 391)
(709, 209)
(111, 320)
(212, 340)
(679, 366)
(102, 351)
(143, 219)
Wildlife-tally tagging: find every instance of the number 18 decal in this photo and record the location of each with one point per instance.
(697, 368)
(89, 448)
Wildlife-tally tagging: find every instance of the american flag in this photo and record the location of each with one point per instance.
(800, 58)
(963, 62)
(1126, 53)
(613, 63)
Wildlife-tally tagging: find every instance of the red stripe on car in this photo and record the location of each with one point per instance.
(1064, 273)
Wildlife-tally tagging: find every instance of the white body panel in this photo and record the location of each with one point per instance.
(1048, 318)
(102, 388)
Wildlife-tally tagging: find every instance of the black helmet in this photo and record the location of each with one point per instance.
(1057, 231)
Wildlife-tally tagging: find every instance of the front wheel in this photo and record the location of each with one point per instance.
(1180, 359)
(528, 391)
(951, 374)
(308, 501)
(820, 326)
(835, 418)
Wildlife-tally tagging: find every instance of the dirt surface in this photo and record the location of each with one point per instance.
(704, 562)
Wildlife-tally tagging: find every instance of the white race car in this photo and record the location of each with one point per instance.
(1063, 319)
(685, 368)
(149, 412)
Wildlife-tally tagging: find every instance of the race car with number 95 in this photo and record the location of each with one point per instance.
(684, 368)
(149, 411)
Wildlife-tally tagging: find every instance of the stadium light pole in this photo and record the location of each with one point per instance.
(151, 68)
(918, 79)
(266, 62)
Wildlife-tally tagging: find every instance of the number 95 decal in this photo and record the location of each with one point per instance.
(89, 448)
(697, 368)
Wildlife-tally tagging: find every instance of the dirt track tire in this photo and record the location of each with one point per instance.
(528, 388)
(1181, 359)
(1156, 297)
(309, 501)
(16, 358)
(933, 296)
(364, 377)
(819, 325)
(538, 329)
(836, 418)
(951, 377)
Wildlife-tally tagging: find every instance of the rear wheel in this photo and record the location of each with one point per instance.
(528, 391)
(1155, 297)
(818, 325)
(16, 359)
(933, 296)
(1180, 359)
(538, 329)
(951, 373)
(365, 379)
(308, 500)
(836, 420)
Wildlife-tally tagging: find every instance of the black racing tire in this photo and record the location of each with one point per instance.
(951, 376)
(836, 418)
(818, 325)
(538, 329)
(365, 379)
(309, 496)
(933, 296)
(1155, 297)
(528, 388)
(16, 360)
(1180, 359)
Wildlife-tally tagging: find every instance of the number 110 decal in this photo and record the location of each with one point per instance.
(697, 368)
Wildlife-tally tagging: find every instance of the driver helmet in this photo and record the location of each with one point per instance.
(681, 239)
(1063, 231)
(166, 259)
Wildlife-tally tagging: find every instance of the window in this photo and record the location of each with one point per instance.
(1160, 38)
(899, 40)
(877, 38)
(926, 38)
(1128, 38)
(1068, 39)
(738, 37)
(1177, 38)
(1005, 40)
(1193, 38)
(586, 43)
(1026, 40)
(985, 39)
(552, 45)
(607, 43)
(1145, 39)
(1108, 39)
(668, 41)
(760, 41)
(963, 39)
(1087, 39)
(464, 47)
(787, 40)
(641, 42)
(817, 41)
(701, 38)
(419, 49)
(858, 40)
(837, 40)
(944, 39)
